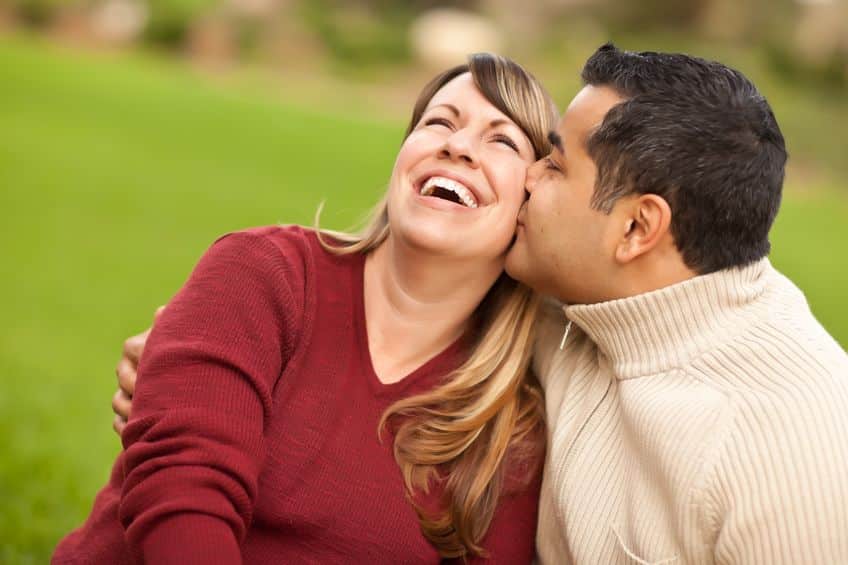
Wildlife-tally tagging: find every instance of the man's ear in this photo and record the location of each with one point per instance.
(645, 222)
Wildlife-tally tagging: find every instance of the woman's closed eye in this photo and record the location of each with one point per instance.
(497, 138)
(439, 122)
(506, 140)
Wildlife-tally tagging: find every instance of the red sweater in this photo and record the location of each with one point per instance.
(253, 436)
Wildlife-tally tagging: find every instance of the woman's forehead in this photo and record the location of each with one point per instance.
(462, 96)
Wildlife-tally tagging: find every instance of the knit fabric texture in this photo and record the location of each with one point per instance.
(253, 436)
(705, 422)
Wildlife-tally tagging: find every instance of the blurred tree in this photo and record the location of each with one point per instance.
(170, 20)
(652, 14)
(814, 46)
(37, 13)
(365, 33)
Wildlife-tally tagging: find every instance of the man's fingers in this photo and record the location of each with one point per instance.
(121, 404)
(134, 346)
(126, 371)
(118, 424)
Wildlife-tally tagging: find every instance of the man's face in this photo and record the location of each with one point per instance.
(564, 247)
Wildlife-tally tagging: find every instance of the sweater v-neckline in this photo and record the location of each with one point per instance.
(423, 377)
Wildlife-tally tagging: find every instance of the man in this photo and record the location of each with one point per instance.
(698, 412)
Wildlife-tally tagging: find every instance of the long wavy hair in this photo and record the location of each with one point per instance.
(486, 417)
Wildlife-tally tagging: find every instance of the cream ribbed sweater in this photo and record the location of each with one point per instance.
(706, 422)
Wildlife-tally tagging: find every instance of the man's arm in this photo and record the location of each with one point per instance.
(779, 489)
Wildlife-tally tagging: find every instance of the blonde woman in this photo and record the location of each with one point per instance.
(254, 428)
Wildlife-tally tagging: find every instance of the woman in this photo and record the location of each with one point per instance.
(266, 379)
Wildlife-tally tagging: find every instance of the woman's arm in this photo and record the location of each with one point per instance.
(194, 444)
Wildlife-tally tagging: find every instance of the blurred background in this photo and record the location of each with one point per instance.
(133, 132)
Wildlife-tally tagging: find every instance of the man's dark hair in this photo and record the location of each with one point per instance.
(699, 135)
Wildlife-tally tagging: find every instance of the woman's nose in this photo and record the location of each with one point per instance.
(460, 146)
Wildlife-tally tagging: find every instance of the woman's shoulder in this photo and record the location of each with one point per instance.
(292, 241)
(290, 254)
(290, 250)
(268, 260)
(289, 240)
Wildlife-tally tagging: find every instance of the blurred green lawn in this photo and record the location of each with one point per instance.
(116, 172)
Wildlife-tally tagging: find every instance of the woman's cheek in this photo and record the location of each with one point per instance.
(520, 179)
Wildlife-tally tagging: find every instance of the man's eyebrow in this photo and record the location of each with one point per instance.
(556, 140)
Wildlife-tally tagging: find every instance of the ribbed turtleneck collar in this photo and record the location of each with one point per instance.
(660, 330)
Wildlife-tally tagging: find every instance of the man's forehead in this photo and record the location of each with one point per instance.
(586, 112)
(595, 99)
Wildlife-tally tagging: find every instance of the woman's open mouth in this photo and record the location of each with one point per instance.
(448, 189)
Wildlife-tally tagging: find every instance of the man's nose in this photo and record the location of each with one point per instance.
(532, 176)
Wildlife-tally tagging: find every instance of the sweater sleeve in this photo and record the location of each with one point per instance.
(779, 492)
(194, 444)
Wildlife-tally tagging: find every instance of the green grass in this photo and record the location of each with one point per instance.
(807, 245)
(115, 175)
(116, 172)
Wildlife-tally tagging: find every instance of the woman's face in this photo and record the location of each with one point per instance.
(458, 181)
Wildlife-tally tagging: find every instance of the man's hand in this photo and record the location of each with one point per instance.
(126, 372)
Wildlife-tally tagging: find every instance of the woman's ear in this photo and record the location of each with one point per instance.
(645, 222)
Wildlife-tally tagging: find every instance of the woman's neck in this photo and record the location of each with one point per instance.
(417, 303)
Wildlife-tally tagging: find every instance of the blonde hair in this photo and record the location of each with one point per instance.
(487, 415)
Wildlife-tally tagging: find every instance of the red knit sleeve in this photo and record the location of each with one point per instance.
(194, 444)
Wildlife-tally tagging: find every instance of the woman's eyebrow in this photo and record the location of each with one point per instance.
(455, 111)
(450, 107)
(500, 122)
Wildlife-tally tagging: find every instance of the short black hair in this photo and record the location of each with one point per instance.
(698, 134)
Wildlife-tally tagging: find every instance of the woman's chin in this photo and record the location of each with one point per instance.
(436, 242)
(452, 244)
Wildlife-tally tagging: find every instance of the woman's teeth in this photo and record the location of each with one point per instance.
(465, 196)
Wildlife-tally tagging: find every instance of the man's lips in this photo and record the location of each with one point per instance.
(522, 213)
